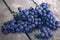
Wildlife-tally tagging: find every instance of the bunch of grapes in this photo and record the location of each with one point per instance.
(27, 20)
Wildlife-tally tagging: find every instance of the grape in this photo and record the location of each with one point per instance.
(41, 8)
(31, 9)
(31, 19)
(30, 30)
(17, 30)
(57, 23)
(27, 13)
(42, 35)
(19, 9)
(21, 28)
(37, 36)
(43, 29)
(35, 13)
(44, 5)
(25, 25)
(50, 34)
(33, 26)
(12, 24)
(40, 12)
(3, 27)
(5, 31)
(48, 30)
(26, 30)
(36, 8)
(47, 36)
(54, 28)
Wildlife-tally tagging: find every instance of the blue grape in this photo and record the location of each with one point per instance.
(22, 23)
(19, 21)
(27, 13)
(17, 30)
(41, 8)
(50, 34)
(35, 12)
(42, 35)
(21, 28)
(12, 24)
(16, 17)
(26, 30)
(36, 19)
(48, 30)
(6, 28)
(19, 9)
(47, 36)
(23, 11)
(57, 23)
(43, 29)
(40, 12)
(44, 5)
(3, 27)
(36, 8)
(54, 28)
(37, 36)
(5, 32)
(30, 19)
(33, 26)
(31, 9)
(30, 30)
(12, 29)
(36, 23)
(25, 25)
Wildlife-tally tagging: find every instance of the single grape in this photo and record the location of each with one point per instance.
(41, 8)
(12, 29)
(36, 8)
(21, 28)
(5, 32)
(37, 36)
(47, 36)
(42, 35)
(26, 30)
(50, 34)
(31, 9)
(17, 30)
(19, 9)
(44, 5)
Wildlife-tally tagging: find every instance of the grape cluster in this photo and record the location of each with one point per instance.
(33, 18)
